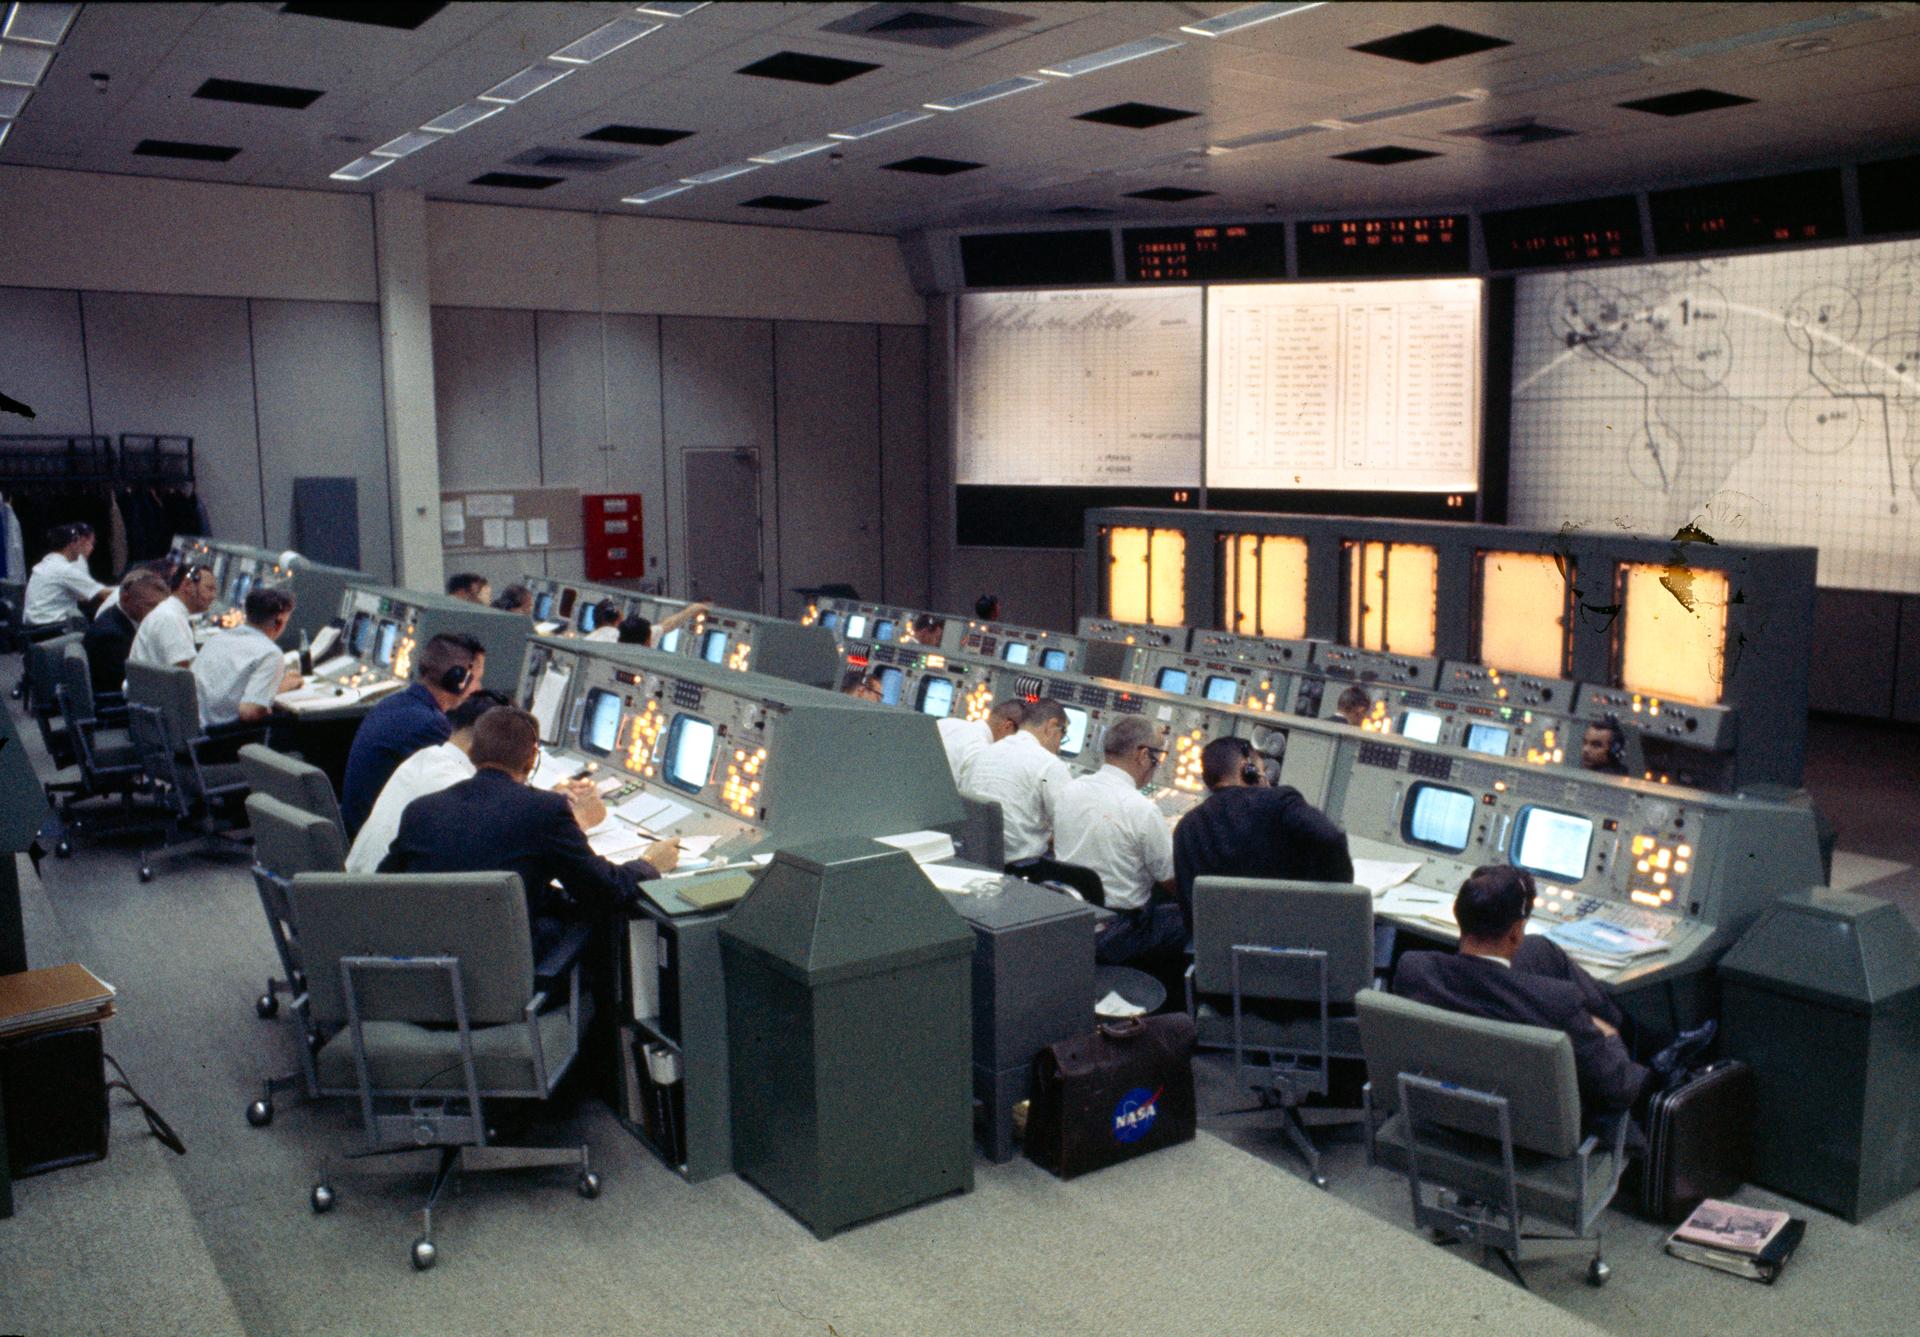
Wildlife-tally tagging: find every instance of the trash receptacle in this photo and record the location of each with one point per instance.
(1822, 997)
(850, 1035)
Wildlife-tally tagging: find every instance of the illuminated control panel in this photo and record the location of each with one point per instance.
(1133, 633)
(1036, 647)
(375, 642)
(1368, 666)
(1709, 727)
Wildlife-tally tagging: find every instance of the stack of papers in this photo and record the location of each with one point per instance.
(1610, 942)
(1379, 876)
(38, 1000)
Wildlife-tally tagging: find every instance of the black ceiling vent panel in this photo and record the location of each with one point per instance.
(257, 95)
(798, 68)
(388, 14)
(792, 204)
(571, 160)
(1136, 115)
(169, 148)
(1428, 46)
(651, 136)
(1168, 194)
(516, 181)
(1687, 103)
(942, 27)
(1514, 134)
(931, 166)
(1386, 155)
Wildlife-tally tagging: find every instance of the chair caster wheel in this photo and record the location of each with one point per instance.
(424, 1254)
(589, 1184)
(260, 1114)
(64, 849)
(1319, 1181)
(146, 873)
(1598, 1272)
(266, 1006)
(321, 1199)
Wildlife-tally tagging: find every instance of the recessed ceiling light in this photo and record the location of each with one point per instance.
(881, 125)
(1236, 20)
(791, 151)
(519, 87)
(1113, 55)
(672, 9)
(462, 116)
(656, 194)
(726, 173)
(411, 142)
(361, 168)
(1020, 83)
(13, 101)
(24, 65)
(6, 128)
(43, 25)
(603, 41)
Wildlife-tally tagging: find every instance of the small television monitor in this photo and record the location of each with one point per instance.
(713, 647)
(1055, 660)
(857, 625)
(1172, 680)
(543, 606)
(1488, 738)
(1551, 843)
(383, 644)
(600, 722)
(830, 620)
(890, 681)
(589, 618)
(239, 587)
(1076, 740)
(689, 754)
(936, 697)
(1017, 652)
(882, 629)
(566, 602)
(1438, 818)
(670, 643)
(1422, 726)
(360, 635)
(1223, 689)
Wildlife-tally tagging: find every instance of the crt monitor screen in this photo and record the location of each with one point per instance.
(1055, 660)
(1076, 740)
(830, 620)
(360, 638)
(1422, 726)
(383, 645)
(1172, 680)
(543, 606)
(890, 680)
(1438, 818)
(882, 629)
(1222, 689)
(1551, 843)
(713, 647)
(936, 697)
(589, 617)
(1488, 738)
(237, 587)
(857, 625)
(1017, 652)
(600, 722)
(689, 757)
(670, 642)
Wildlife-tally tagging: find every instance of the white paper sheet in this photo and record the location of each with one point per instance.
(651, 810)
(1377, 875)
(516, 533)
(493, 533)
(490, 503)
(551, 771)
(948, 877)
(1113, 1005)
(537, 533)
(453, 520)
(547, 698)
(618, 842)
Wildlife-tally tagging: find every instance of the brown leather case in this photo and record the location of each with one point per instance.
(1699, 1140)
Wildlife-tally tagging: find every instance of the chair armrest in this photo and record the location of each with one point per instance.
(561, 957)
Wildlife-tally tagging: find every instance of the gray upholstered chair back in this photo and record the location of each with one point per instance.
(288, 840)
(1333, 917)
(1529, 1065)
(76, 675)
(481, 918)
(44, 660)
(294, 782)
(170, 691)
(982, 837)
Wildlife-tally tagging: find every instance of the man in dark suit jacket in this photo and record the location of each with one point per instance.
(495, 822)
(109, 637)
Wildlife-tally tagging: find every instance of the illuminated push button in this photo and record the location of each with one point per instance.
(1679, 866)
(1659, 879)
(1664, 858)
(1684, 851)
(1643, 866)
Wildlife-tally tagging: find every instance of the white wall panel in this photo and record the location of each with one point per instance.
(573, 419)
(484, 255)
(903, 464)
(486, 396)
(717, 393)
(43, 360)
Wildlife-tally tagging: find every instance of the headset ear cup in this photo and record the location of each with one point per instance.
(454, 678)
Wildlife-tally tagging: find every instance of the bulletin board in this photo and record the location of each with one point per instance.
(499, 520)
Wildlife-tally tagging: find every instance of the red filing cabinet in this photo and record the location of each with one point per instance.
(612, 525)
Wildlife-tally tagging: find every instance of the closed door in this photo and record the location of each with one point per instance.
(723, 528)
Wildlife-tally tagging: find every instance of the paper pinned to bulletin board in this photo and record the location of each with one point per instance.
(510, 520)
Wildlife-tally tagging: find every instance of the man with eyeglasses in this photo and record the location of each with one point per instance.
(1103, 822)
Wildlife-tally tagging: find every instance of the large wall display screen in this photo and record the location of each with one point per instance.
(1096, 388)
(1356, 386)
(1767, 398)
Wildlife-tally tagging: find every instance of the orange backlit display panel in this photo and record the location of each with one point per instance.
(1147, 576)
(1266, 585)
(1523, 613)
(1666, 649)
(1392, 589)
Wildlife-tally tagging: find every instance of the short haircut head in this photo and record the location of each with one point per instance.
(505, 737)
(162, 567)
(1043, 712)
(850, 680)
(187, 573)
(1222, 759)
(636, 630)
(468, 712)
(1493, 899)
(142, 587)
(1130, 732)
(514, 598)
(466, 582)
(987, 608)
(606, 612)
(445, 651)
(926, 622)
(1354, 698)
(263, 606)
(1013, 710)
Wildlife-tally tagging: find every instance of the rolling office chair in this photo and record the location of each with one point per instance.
(423, 990)
(104, 756)
(286, 843)
(1046, 872)
(1286, 960)
(1487, 1113)
(296, 783)
(42, 683)
(163, 716)
(981, 837)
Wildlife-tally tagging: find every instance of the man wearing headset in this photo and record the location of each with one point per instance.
(1603, 747)
(165, 638)
(449, 672)
(1248, 829)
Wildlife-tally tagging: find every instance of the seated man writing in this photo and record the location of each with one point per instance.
(1103, 822)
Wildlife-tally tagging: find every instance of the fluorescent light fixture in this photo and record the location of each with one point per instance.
(1412, 108)
(1235, 20)
(672, 9)
(462, 116)
(1721, 45)
(1020, 83)
(881, 125)
(6, 128)
(43, 25)
(361, 168)
(411, 142)
(603, 41)
(1113, 55)
(519, 87)
(24, 65)
(1268, 137)
(13, 101)
(791, 151)
(727, 173)
(655, 195)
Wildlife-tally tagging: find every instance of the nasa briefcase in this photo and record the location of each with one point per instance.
(1121, 1092)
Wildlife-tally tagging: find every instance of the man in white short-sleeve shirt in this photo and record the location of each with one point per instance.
(165, 639)
(966, 739)
(60, 582)
(239, 672)
(1023, 773)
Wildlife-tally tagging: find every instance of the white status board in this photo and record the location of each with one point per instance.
(1765, 398)
(1080, 388)
(1349, 386)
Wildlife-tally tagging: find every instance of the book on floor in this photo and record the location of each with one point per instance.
(35, 1000)
(1746, 1241)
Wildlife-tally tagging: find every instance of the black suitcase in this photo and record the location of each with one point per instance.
(1121, 1092)
(1699, 1140)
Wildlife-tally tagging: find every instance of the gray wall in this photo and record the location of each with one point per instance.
(1866, 654)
